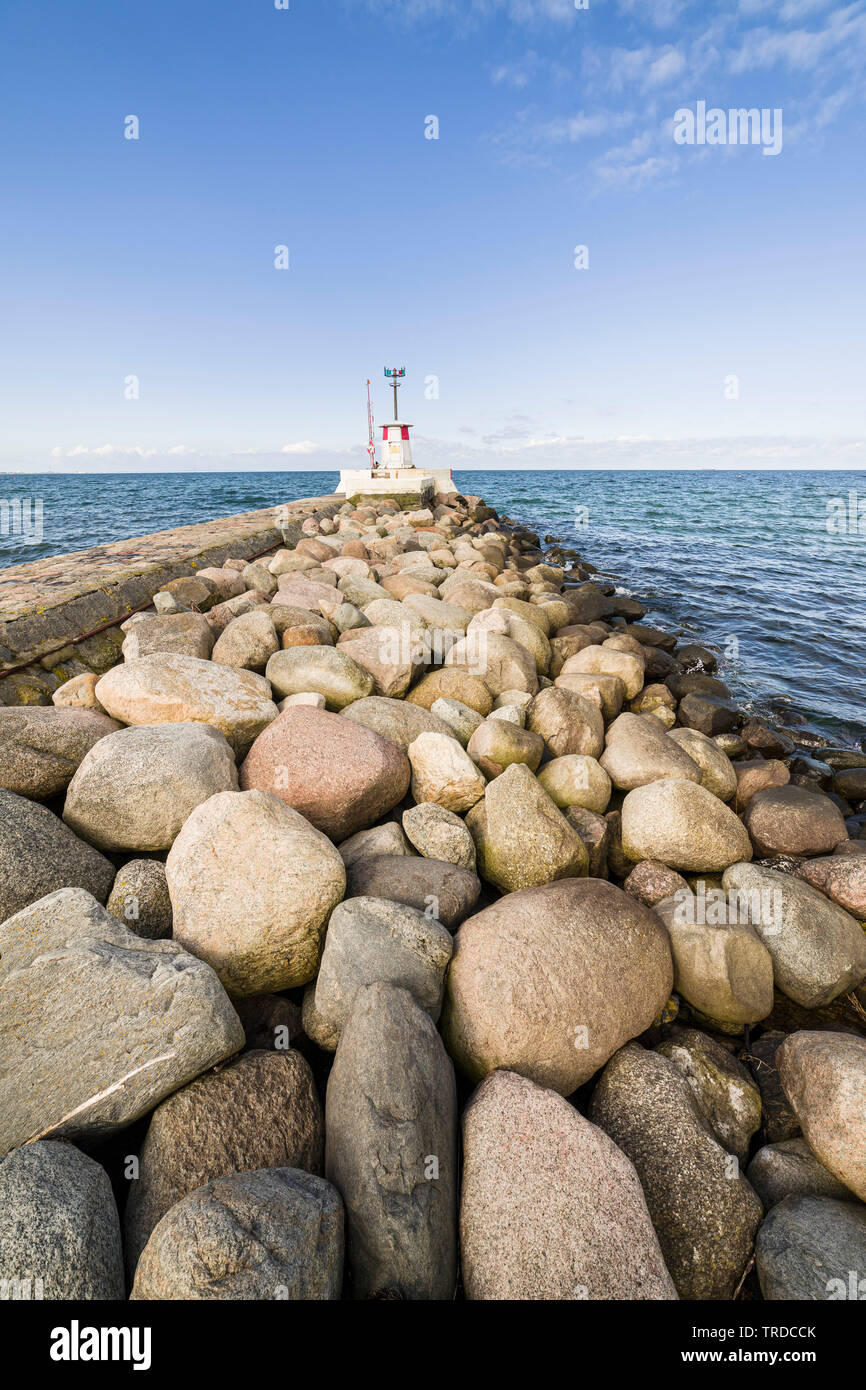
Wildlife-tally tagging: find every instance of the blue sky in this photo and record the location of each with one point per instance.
(305, 127)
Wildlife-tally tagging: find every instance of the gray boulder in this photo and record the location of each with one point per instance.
(370, 939)
(818, 949)
(790, 1169)
(41, 748)
(260, 1112)
(97, 1025)
(444, 892)
(391, 1148)
(59, 1231)
(704, 1211)
(39, 854)
(812, 1249)
(273, 1234)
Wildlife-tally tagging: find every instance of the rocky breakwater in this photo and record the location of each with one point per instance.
(404, 918)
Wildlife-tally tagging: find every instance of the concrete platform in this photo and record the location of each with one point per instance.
(408, 487)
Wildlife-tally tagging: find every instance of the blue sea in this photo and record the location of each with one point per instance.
(768, 566)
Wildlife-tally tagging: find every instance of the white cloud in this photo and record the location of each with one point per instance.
(466, 14)
(660, 13)
(305, 446)
(583, 126)
(802, 50)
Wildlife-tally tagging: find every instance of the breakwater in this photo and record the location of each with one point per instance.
(400, 825)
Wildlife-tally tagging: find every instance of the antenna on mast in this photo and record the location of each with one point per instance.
(394, 376)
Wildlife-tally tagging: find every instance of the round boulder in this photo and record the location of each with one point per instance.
(342, 776)
(136, 787)
(252, 885)
(793, 820)
(172, 689)
(683, 825)
(550, 981)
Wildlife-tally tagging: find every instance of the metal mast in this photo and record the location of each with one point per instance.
(371, 443)
(396, 375)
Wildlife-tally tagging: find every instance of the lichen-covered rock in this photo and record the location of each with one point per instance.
(273, 1234)
(723, 1088)
(498, 742)
(550, 981)
(605, 661)
(98, 1025)
(140, 899)
(704, 1211)
(262, 1111)
(550, 1207)
(136, 787)
(452, 683)
(461, 720)
(575, 780)
(683, 825)
(391, 1148)
(521, 837)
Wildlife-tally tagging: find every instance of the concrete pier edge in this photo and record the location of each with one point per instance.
(48, 606)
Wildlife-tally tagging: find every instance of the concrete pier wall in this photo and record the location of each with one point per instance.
(47, 607)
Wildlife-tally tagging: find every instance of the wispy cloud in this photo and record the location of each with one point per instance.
(470, 13)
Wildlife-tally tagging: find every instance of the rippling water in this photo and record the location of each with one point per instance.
(744, 561)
